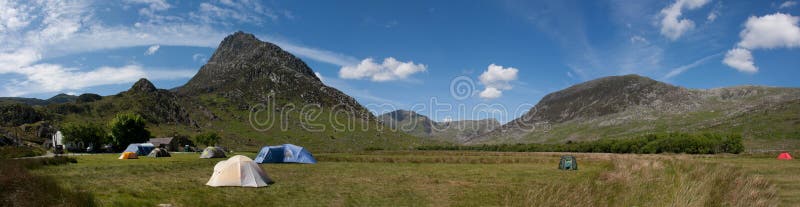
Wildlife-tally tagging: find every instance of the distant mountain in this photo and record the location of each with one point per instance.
(60, 98)
(421, 126)
(622, 106)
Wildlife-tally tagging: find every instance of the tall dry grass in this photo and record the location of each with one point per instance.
(635, 180)
(18, 187)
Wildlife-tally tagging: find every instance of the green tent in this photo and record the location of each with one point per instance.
(568, 162)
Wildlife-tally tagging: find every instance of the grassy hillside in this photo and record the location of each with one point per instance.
(768, 118)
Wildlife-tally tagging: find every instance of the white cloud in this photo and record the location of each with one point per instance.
(496, 78)
(672, 25)
(169, 73)
(316, 54)
(390, 69)
(199, 57)
(766, 32)
(741, 60)
(13, 60)
(771, 31)
(319, 76)
(490, 93)
(152, 50)
(639, 39)
(244, 11)
(712, 16)
(156, 5)
(43, 78)
(14, 16)
(152, 6)
(787, 4)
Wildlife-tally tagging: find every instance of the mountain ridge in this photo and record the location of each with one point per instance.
(421, 126)
(630, 105)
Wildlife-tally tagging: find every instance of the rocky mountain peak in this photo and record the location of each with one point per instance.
(244, 69)
(143, 85)
(245, 50)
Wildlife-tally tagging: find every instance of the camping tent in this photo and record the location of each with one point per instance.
(212, 152)
(141, 149)
(284, 153)
(238, 171)
(568, 162)
(128, 155)
(785, 156)
(159, 152)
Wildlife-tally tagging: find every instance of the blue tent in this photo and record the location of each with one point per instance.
(284, 153)
(141, 149)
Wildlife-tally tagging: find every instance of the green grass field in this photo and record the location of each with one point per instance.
(453, 178)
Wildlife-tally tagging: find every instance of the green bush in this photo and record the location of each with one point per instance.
(648, 144)
(88, 134)
(207, 139)
(127, 128)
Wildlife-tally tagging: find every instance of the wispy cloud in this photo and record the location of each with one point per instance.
(43, 78)
(683, 68)
(787, 4)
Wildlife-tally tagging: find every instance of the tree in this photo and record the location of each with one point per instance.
(88, 134)
(207, 139)
(127, 128)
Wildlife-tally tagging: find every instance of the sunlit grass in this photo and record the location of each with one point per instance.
(413, 178)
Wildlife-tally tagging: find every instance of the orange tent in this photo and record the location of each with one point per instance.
(128, 155)
(784, 156)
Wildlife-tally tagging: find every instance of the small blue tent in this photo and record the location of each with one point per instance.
(284, 153)
(141, 149)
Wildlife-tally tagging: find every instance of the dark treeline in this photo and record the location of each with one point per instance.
(707, 143)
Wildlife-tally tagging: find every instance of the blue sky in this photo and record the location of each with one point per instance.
(510, 53)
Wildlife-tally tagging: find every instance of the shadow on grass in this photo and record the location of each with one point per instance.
(18, 187)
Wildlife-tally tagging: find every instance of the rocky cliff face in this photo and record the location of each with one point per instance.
(247, 70)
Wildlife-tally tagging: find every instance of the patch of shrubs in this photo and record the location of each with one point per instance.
(7, 152)
(707, 143)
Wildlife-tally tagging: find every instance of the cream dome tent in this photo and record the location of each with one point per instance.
(238, 171)
(213, 152)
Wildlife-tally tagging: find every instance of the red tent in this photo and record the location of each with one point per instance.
(784, 156)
